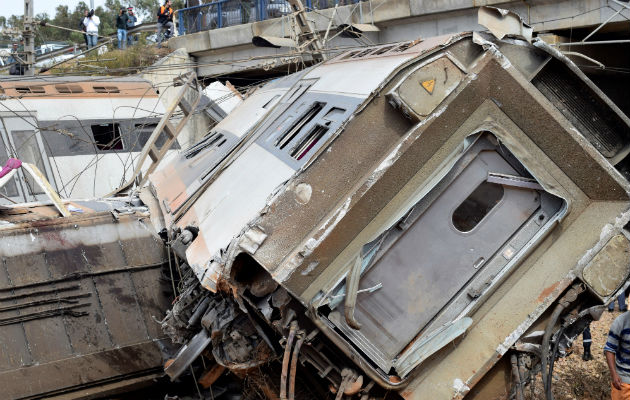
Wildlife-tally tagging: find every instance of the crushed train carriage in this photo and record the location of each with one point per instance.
(432, 218)
(374, 208)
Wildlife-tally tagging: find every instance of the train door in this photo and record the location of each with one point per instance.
(21, 139)
(430, 256)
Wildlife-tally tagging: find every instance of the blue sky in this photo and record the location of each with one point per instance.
(16, 7)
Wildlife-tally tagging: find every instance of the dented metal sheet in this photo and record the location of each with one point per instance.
(452, 203)
(503, 22)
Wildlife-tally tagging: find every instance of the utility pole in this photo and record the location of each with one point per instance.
(29, 38)
(308, 38)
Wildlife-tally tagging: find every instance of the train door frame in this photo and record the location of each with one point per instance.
(12, 125)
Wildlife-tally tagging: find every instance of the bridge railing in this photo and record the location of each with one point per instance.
(224, 13)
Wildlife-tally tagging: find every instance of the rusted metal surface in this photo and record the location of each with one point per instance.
(208, 379)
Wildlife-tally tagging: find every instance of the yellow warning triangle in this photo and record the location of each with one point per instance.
(429, 85)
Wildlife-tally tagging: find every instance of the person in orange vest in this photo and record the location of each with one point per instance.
(165, 22)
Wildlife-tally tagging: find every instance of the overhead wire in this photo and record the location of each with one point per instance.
(130, 158)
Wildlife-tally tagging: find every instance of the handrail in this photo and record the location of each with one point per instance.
(196, 19)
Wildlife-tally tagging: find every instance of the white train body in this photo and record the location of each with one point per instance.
(85, 134)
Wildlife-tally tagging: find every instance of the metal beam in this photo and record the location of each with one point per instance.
(591, 43)
(602, 24)
(29, 38)
(308, 38)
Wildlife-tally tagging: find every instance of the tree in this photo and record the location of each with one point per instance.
(15, 21)
(148, 9)
(65, 18)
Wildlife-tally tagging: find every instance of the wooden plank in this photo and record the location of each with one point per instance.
(45, 186)
(170, 130)
(185, 106)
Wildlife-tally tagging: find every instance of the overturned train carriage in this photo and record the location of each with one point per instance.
(437, 219)
(421, 217)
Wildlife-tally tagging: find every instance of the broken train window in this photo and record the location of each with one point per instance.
(28, 150)
(427, 265)
(107, 136)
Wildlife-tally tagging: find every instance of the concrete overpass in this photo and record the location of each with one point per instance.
(229, 51)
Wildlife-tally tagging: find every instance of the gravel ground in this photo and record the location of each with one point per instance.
(575, 379)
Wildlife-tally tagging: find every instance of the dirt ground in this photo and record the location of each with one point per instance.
(574, 379)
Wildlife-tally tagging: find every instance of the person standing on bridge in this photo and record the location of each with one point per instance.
(131, 23)
(165, 22)
(121, 26)
(91, 23)
(82, 27)
(246, 10)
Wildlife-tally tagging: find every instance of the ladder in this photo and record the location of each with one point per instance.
(187, 83)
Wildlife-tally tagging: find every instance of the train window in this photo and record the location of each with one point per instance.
(350, 55)
(144, 134)
(476, 206)
(107, 136)
(30, 89)
(404, 47)
(27, 150)
(297, 126)
(308, 142)
(10, 188)
(363, 53)
(106, 89)
(69, 89)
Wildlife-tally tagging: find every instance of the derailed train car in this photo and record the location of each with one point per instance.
(437, 218)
